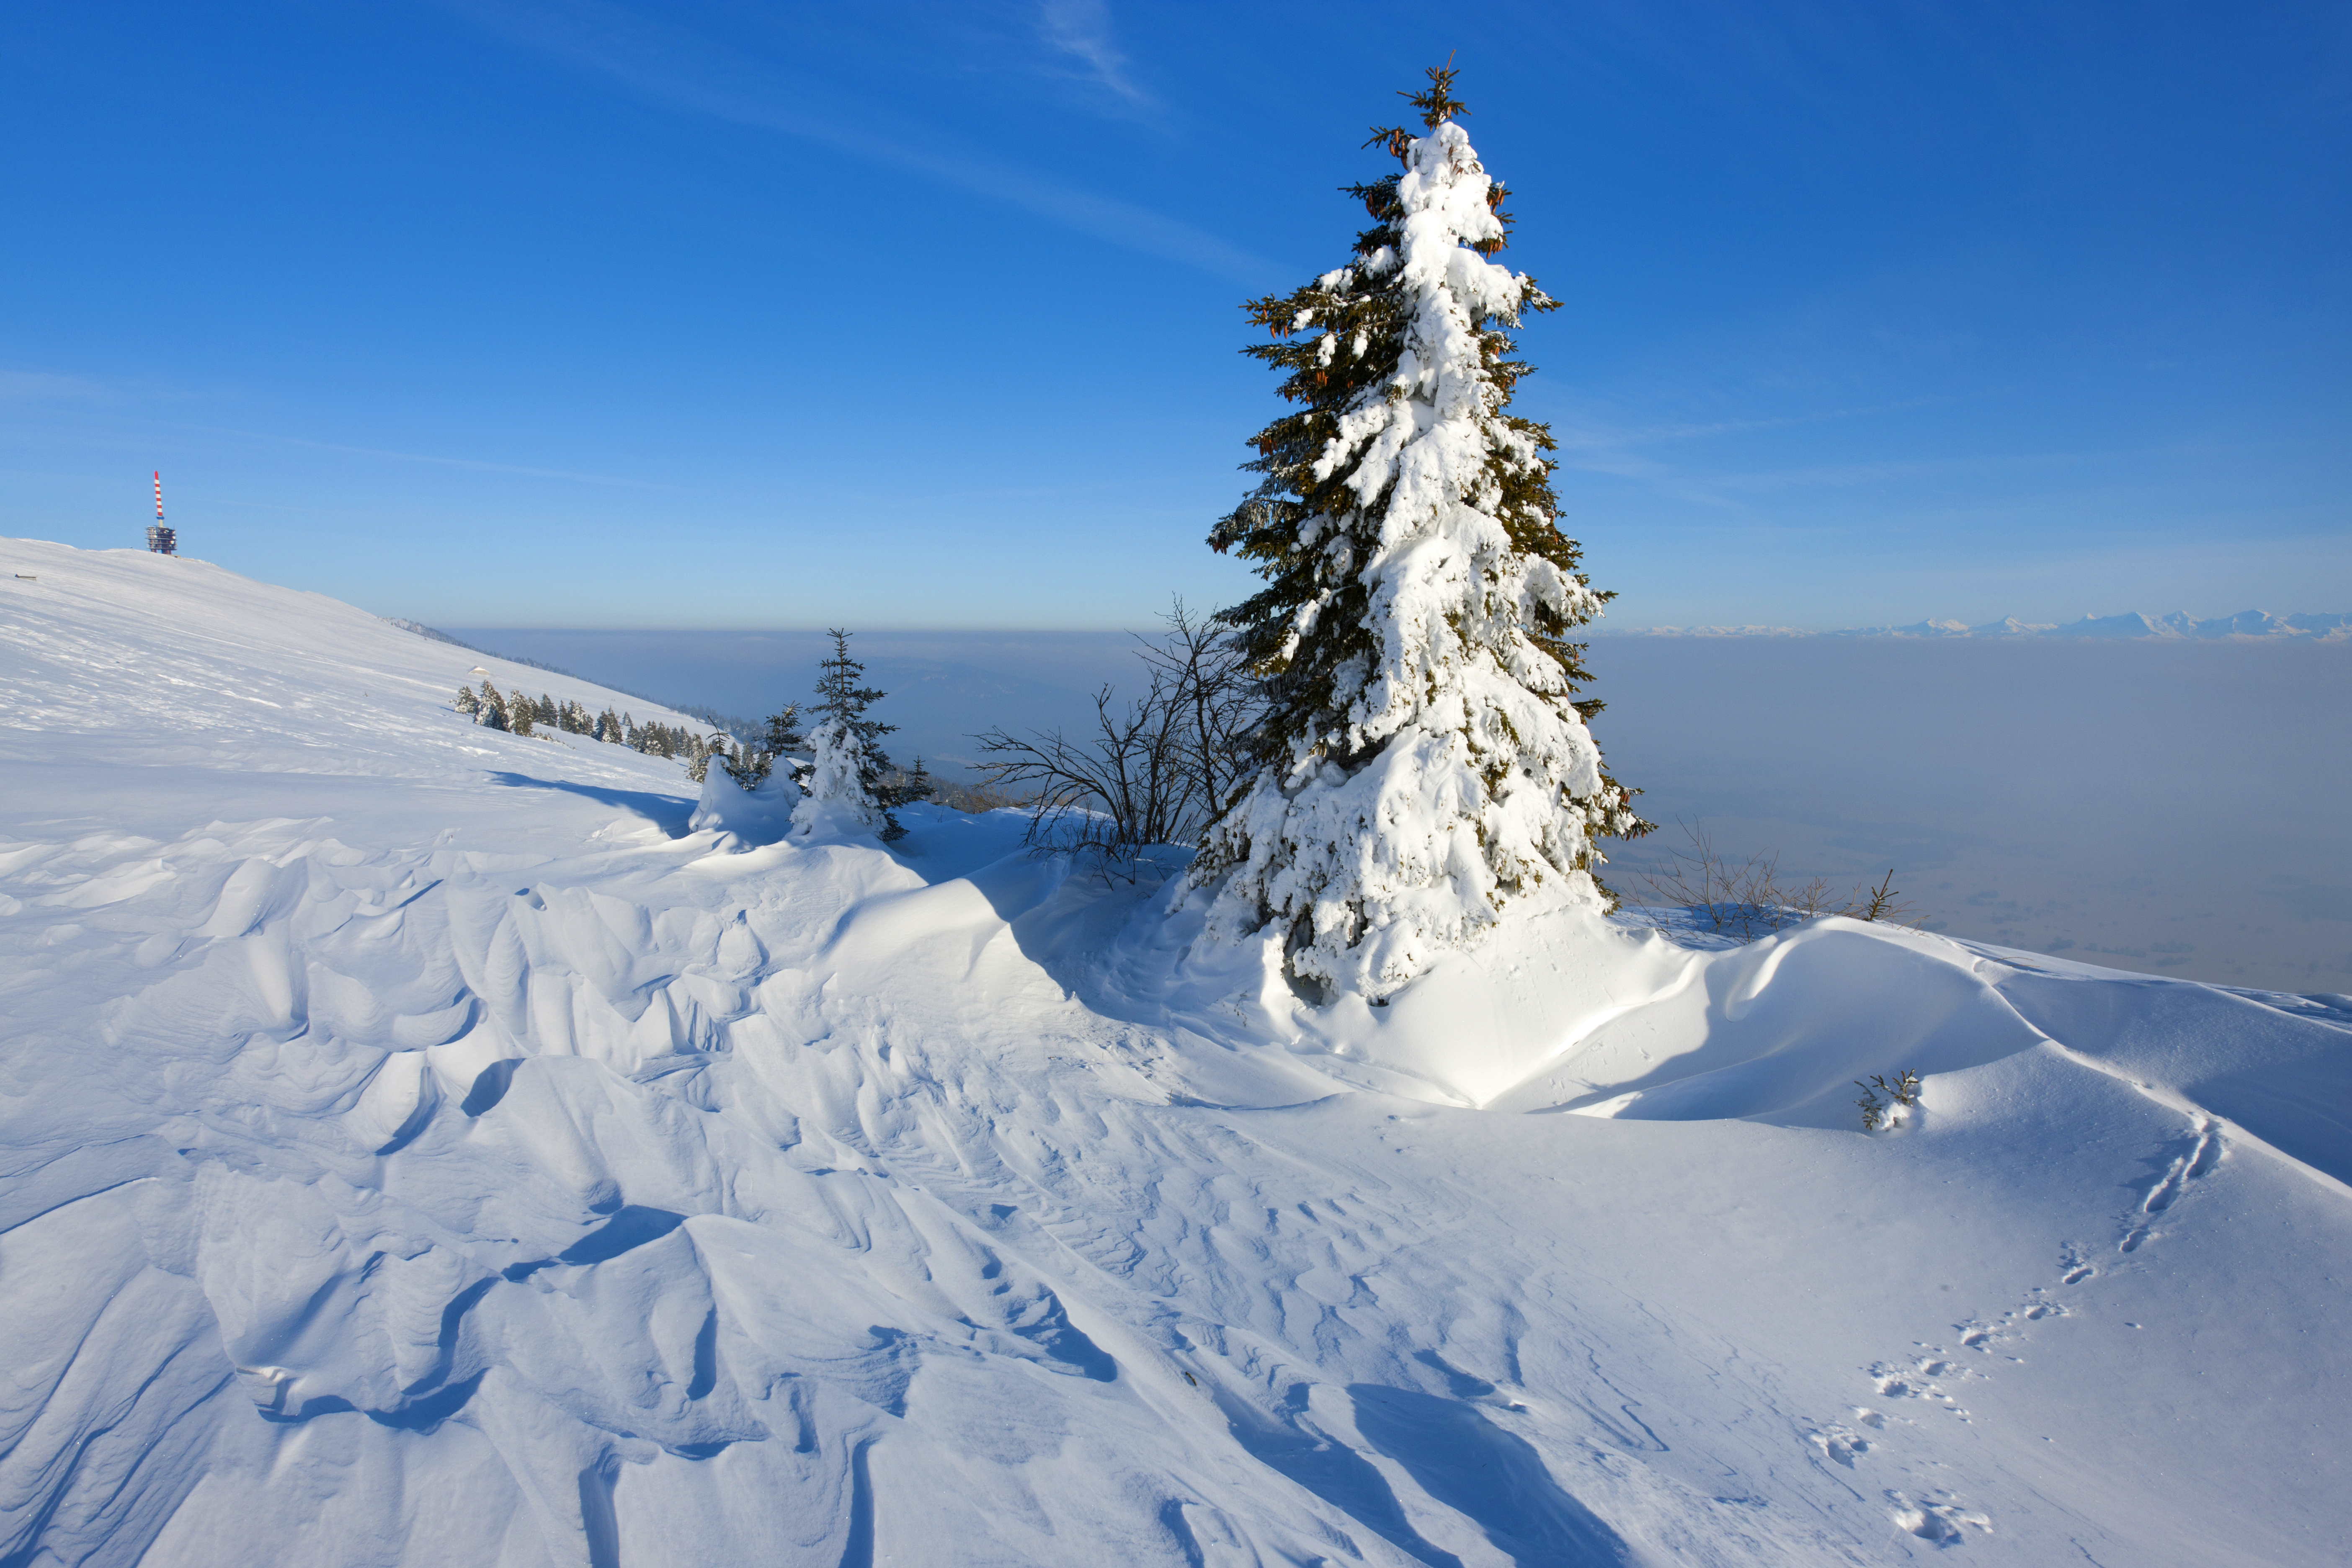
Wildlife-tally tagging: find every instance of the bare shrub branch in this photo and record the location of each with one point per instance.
(1743, 899)
(1155, 770)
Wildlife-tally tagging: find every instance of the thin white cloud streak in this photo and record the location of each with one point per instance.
(1598, 449)
(1081, 29)
(1613, 453)
(42, 386)
(475, 465)
(1835, 475)
(47, 387)
(1587, 437)
(1732, 491)
(673, 67)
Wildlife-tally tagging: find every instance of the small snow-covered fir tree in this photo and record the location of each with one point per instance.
(783, 737)
(1423, 766)
(846, 786)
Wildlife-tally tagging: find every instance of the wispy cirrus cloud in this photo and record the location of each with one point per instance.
(46, 387)
(74, 396)
(1631, 452)
(1081, 31)
(474, 465)
(667, 65)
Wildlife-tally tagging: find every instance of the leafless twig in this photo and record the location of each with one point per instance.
(1743, 899)
(1155, 770)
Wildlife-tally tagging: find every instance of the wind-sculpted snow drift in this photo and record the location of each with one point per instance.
(423, 1147)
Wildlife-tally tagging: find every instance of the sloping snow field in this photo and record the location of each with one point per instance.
(420, 1147)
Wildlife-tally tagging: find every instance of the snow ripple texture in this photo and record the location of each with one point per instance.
(422, 1147)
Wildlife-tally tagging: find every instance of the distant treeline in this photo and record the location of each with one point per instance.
(517, 713)
(746, 731)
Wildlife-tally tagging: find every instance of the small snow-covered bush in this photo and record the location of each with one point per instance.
(1899, 1097)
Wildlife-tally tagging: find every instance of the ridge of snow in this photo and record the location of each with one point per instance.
(424, 1145)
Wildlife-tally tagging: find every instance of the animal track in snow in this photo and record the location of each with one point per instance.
(1983, 1335)
(1916, 1378)
(1938, 1518)
(2204, 1153)
(2199, 1159)
(1839, 1442)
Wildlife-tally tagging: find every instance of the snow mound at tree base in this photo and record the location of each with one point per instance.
(1614, 1018)
(739, 819)
(432, 1151)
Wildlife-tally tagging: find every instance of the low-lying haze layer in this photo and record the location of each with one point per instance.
(2170, 807)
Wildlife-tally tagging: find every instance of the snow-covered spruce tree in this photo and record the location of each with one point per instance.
(1424, 767)
(847, 783)
(492, 714)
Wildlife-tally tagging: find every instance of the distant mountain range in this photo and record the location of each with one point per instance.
(2246, 626)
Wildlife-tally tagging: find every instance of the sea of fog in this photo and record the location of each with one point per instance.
(2175, 809)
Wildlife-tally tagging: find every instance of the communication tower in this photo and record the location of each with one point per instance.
(160, 540)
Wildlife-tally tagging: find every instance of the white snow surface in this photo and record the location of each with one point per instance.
(422, 1146)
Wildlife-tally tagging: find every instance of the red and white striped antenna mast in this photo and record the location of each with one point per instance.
(160, 540)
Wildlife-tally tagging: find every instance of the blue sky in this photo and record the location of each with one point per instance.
(717, 314)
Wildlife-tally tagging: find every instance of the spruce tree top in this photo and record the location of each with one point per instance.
(840, 701)
(1423, 764)
(1417, 317)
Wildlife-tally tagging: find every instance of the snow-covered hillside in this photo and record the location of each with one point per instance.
(421, 1148)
